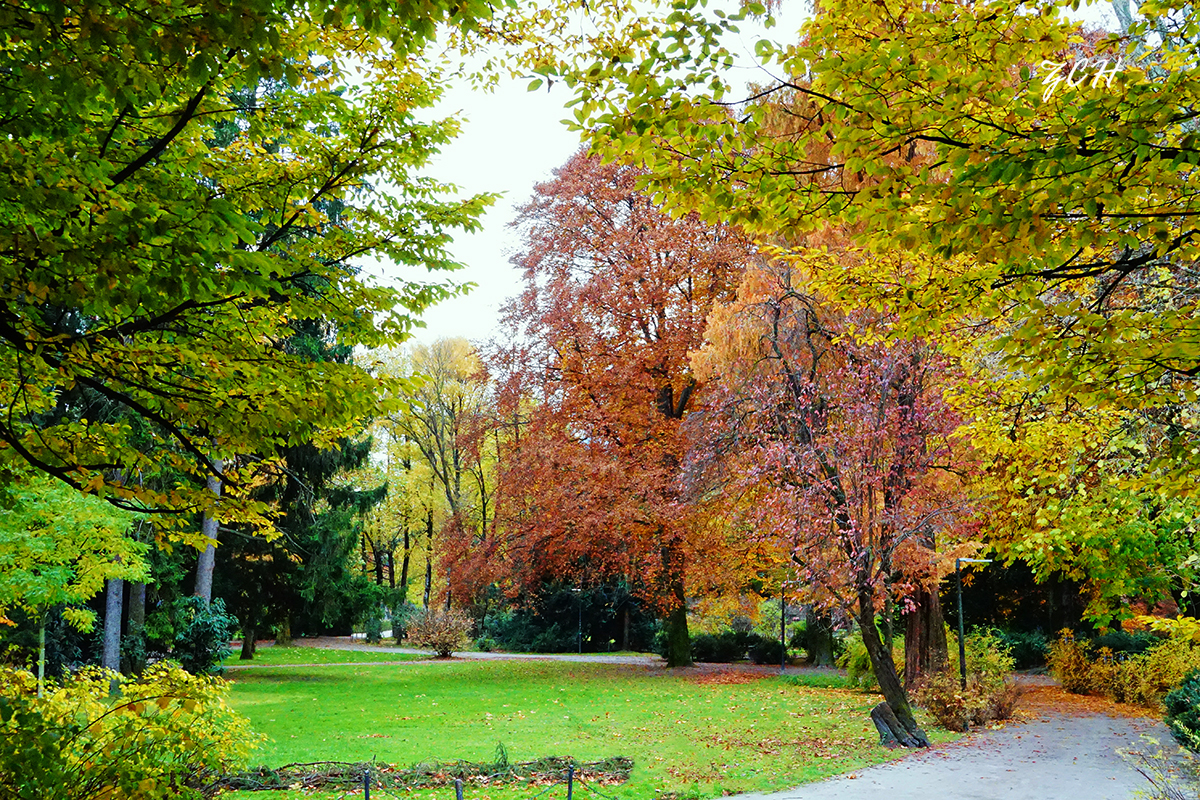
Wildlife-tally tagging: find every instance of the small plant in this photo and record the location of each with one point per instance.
(374, 627)
(202, 641)
(485, 645)
(441, 631)
(990, 694)
(165, 735)
(1070, 663)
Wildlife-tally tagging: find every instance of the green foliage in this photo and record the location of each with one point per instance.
(766, 651)
(549, 621)
(1182, 705)
(374, 627)
(855, 659)
(222, 184)
(1028, 649)
(202, 639)
(991, 693)
(439, 630)
(167, 734)
(58, 547)
(723, 647)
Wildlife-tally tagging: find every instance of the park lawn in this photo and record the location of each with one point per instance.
(694, 735)
(301, 655)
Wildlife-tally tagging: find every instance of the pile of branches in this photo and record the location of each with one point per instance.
(346, 775)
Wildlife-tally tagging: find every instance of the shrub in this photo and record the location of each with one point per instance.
(1183, 712)
(857, 662)
(1119, 641)
(990, 694)
(202, 641)
(1070, 663)
(724, 647)
(373, 627)
(441, 631)
(766, 651)
(167, 734)
(485, 645)
(1142, 678)
(1028, 650)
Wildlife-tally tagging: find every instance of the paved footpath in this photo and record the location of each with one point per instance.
(1067, 756)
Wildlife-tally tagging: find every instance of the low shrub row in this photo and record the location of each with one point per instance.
(1141, 678)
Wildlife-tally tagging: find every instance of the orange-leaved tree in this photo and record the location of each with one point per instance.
(597, 378)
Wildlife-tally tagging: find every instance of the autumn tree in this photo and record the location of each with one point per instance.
(833, 445)
(1056, 192)
(616, 295)
(433, 433)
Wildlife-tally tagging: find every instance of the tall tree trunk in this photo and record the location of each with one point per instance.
(378, 564)
(625, 629)
(210, 527)
(111, 656)
(819, 633)
(428, 555)
(137, 626)
(893, 718)
(679, 644)
(925, 650)
(391, 559)
(404, 565)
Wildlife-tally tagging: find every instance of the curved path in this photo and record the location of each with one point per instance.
(1068, 748)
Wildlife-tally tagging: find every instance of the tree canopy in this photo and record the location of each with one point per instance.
(184, 180)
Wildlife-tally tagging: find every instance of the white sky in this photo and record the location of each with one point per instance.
(511, 140)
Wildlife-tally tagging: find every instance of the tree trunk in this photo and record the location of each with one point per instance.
(679, 645)
(404, 566)
(111, 656)
(208, 559)
(378, 564)
(391, 569)
(283, 636)
(249, 643)
(625, 630)
(924, 638)
(428, 555)
(819, 632)
(41, 678)
(137, 626)
(900, 723)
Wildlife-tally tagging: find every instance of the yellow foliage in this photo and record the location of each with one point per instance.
(168, 734)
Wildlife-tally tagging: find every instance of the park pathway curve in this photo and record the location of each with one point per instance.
(1066, 748)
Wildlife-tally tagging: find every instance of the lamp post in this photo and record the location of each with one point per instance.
(579, 600)
(962, 647)
(783, 622)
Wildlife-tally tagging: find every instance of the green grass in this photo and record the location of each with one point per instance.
(697, 739)
(284, 656)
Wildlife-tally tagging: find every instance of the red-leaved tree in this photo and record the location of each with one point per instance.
(596, 384)
(832, 444)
